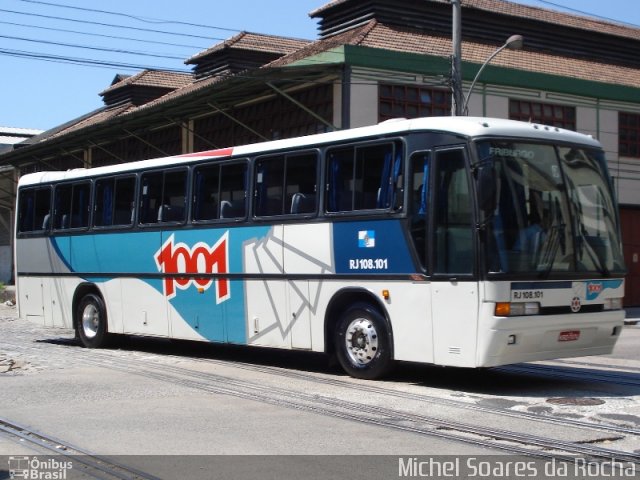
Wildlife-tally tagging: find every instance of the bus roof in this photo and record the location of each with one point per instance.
(464, 126)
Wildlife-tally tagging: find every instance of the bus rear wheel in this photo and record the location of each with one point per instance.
(362, 343)
(91, 321)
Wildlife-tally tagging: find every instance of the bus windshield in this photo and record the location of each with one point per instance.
(554, 210)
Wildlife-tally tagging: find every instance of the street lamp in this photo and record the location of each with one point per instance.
(514, 42)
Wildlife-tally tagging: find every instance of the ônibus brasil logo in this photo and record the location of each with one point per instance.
(174, 258)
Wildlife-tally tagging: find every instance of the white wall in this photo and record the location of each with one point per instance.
(496, 106)
(364, 104)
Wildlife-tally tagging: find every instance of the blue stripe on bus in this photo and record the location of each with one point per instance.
(136, 252)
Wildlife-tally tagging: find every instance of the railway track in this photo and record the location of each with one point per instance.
(78, 462)
(160, 368)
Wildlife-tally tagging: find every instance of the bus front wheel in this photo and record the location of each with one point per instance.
(91, 324)
(362, 343)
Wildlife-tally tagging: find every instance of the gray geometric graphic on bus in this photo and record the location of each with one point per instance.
(262, 251)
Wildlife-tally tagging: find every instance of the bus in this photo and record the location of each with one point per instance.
(454, 241)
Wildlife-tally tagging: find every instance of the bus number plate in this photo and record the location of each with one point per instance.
(526, 295)
(368, 264)
(569, 336)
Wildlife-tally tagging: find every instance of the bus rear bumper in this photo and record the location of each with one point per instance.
(509, 340)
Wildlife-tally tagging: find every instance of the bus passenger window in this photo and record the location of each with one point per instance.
(269, 185)
(219, 192)
(301, 184)
(163, 197)
(363, 178)
(71, 206)
(233, 190)
(114, 201)
(34, 210)
(80, 205)
(205, 193)
(286, 184)
(62, 207)
(174, 197)
(103, 203)
(124, 202)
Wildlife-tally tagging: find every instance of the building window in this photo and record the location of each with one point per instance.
(629, 134)
(407, 101)
(546, 113)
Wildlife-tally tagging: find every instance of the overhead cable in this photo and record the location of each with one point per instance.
(103, 24)
(134, 17)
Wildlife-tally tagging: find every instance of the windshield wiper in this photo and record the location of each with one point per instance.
(595, 258)
(550, 249)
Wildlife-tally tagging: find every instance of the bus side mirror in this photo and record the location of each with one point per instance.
(486, 186)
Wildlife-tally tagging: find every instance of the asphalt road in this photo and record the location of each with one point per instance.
(190, 410)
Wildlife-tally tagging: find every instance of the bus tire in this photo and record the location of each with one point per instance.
(91, 324)
(362, 343)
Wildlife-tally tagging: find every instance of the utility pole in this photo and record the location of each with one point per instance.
(456, 59)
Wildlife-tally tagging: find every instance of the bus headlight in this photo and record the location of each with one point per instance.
(516, 309)
(612, 304)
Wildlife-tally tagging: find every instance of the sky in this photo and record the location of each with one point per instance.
(56, 56)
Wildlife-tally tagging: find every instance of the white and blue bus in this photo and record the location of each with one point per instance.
(454, 241)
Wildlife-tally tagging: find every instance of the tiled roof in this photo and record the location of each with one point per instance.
(354, 36)
(185, 90)
(525, 11)
(99, 116)
(256, 42)
(410, 41)
(551, 16)
(153, 78)
(376, 35)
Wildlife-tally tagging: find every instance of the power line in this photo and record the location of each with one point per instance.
(85, 61)
(131, 66)
(129, 39)
(101, 49)
(589, 14)
(126, 15)
(102, 24)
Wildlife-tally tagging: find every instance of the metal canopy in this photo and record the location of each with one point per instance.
(176, 107)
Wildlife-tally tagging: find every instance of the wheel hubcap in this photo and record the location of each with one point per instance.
(361, 341)
(90, 321)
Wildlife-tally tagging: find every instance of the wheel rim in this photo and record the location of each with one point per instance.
(90, 321)
(361, 340)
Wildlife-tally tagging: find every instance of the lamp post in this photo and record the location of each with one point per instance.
(456, 58)
(514, 42)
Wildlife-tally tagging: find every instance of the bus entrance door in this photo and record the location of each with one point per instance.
(455, 291)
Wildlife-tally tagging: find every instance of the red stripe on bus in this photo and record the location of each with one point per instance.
(221, 152)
